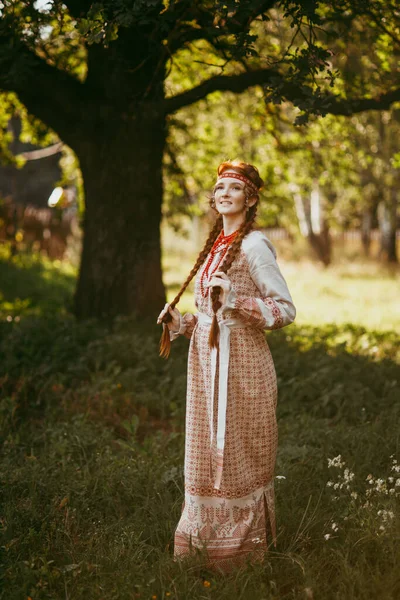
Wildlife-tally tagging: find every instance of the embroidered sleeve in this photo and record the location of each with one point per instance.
(188, 322)
(275, 308)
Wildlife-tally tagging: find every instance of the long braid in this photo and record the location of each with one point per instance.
(165, 342)
(230, 256)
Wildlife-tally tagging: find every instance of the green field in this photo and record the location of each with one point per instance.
(92, 434)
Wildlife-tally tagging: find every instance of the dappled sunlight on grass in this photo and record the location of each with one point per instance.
(33, 284)
(358, 293)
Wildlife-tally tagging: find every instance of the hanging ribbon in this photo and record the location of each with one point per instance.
(225, 326)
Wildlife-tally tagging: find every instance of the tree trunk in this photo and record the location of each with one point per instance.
(387, 218)
(366, 226)
(120, 272)
(313, 225)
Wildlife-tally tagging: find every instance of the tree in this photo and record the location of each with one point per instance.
(95, 73)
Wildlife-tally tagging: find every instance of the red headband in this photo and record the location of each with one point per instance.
(241, 177)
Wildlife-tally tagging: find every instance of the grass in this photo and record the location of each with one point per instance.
(92, 430)
(33, 285)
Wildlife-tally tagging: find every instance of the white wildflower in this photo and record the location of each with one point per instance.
(381, 486)
(327, 536)
(386, 515)
(336, 461)
(348, 475)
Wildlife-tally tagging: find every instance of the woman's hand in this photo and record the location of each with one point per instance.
(219, 278)
(176, 317)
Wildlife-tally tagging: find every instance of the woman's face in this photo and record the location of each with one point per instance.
(229, 196)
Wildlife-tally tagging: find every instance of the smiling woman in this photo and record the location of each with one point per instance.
(231, 429)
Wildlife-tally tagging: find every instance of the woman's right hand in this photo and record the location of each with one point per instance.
(176, 317)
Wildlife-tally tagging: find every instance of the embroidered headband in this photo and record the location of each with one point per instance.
(241, 177)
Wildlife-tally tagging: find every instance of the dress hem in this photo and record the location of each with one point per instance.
(228, 531)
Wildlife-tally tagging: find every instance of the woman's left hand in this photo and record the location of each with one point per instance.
(219, 278)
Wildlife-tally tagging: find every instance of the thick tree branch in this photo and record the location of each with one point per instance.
(48, 93)
(232, 83)
(338, 106)
(300, 95)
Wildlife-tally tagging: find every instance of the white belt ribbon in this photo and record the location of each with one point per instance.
(225, 326)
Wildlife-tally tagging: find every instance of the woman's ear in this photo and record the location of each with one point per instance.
(252, 200)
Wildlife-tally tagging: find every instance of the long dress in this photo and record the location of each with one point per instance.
(231, 430)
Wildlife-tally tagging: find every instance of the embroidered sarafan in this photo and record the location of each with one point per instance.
(231, 435)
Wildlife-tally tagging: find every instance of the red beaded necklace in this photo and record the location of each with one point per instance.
(221, 243)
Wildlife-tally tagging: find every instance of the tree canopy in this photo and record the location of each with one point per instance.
(109, 78)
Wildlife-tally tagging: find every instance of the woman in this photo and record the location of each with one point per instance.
(231, 430)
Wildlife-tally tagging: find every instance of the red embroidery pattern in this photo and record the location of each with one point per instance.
(250, 311)
(226, 493)
(228, 520)
(241, 177)
(230, 531)
(278, 319)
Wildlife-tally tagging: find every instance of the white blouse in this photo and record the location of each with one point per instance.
(275, 309)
